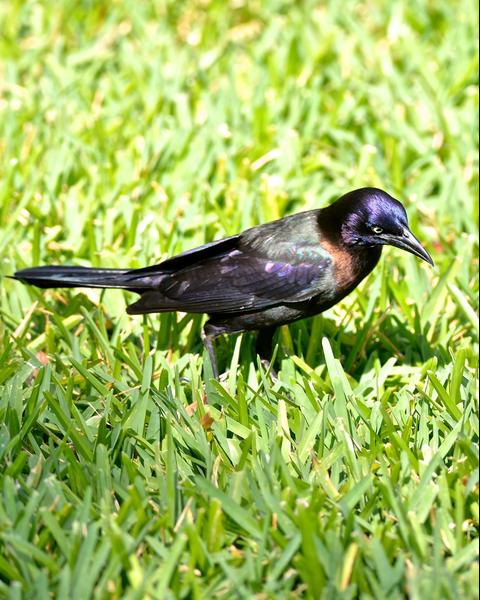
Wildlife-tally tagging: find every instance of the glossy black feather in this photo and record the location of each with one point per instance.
(189, 257)
(72, 276)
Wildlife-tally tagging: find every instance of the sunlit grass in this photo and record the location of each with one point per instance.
(131, 131)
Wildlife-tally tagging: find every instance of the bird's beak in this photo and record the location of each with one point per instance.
(409, 242)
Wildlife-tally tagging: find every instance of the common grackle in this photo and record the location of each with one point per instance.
(266, 276)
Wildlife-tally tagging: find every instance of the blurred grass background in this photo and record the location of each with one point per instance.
(130, 131)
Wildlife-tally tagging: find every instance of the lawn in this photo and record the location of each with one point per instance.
(132, 130)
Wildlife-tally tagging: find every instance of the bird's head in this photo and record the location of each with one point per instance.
(370, 217)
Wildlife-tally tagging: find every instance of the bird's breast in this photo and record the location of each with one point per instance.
(350, 265)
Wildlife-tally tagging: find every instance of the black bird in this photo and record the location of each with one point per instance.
(266, 276)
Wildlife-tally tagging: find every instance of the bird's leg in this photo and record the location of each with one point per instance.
(263, 347)
(208, 343)
(207, 340)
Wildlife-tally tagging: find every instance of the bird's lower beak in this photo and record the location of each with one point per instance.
(409, 242)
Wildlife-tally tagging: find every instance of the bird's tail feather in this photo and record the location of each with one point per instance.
(63, 277)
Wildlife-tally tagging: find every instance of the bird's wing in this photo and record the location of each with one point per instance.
(189, 257)
(240, 281)
(267, 267)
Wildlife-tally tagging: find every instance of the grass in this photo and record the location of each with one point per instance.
(130, 131)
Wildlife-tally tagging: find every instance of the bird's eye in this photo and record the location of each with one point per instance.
(377, 230)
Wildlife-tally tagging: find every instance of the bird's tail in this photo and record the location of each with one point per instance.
(63, 277)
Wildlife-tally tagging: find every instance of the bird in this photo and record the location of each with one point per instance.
(269, 275)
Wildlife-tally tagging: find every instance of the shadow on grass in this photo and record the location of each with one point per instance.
(381, 337)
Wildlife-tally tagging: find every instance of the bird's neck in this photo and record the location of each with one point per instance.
(351, 262)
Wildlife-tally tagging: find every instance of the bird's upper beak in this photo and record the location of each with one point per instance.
(409, 242)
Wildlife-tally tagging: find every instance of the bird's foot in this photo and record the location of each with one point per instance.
(267, 365)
